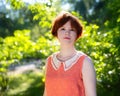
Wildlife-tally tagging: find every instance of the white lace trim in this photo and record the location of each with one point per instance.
(68, 63)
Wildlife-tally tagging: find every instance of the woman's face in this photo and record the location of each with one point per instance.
(66, 34)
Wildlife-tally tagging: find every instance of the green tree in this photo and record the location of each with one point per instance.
(81, 6)
(19, 46)
(100, 39)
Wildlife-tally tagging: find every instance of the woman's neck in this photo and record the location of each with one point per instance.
(67, 51)
(66, 54)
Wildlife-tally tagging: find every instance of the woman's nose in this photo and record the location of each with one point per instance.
(67, 32)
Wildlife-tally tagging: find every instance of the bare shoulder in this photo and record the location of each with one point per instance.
(88, 60)
(88, 65)
(89, 77)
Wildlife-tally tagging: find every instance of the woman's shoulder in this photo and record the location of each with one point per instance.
(88, 62)
(80, 53)
(87, 58)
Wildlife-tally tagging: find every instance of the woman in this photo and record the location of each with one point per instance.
(69, 72)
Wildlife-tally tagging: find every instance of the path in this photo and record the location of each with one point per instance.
(29, 66)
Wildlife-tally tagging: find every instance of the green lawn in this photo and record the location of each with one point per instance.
(29, 83)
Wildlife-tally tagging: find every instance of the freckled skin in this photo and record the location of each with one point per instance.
(67, 34)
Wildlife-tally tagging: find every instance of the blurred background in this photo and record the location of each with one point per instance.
(26, 42)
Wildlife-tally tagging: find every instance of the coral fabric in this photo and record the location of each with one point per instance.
(65, 83)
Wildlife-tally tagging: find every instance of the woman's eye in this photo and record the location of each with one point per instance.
(62, 28)
(72, 29)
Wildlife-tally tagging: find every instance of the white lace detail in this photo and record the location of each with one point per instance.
(68, 63)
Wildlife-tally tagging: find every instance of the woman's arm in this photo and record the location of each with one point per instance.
(44, 93)
(89, 77)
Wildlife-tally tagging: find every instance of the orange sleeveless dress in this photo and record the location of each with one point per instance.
(64, 81)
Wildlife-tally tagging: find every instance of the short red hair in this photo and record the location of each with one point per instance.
(63, 18)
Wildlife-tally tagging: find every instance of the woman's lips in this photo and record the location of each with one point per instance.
(67, 38)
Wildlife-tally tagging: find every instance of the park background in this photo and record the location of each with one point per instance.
(25, 41)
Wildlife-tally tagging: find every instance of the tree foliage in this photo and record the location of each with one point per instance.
(100, 39)
(103, 48)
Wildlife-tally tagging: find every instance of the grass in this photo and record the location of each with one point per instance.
(29, 83)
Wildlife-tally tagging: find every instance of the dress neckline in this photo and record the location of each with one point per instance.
(56, 63)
